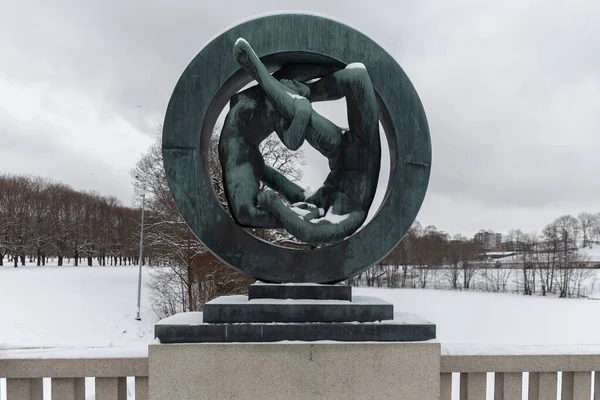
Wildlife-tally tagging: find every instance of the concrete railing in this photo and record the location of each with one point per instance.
(506, 376)
(24, 377)
(543, 375)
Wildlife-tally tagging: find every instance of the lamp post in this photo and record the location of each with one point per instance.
(139, 293)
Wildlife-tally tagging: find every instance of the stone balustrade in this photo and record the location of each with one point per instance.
(24, 377)
(462, 377)
(543, 374)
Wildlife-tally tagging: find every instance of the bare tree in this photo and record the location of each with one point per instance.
(166, 232)
(579, 278)
(401, 259)
(568, 230)
(529, 262)
(17, 200)
(431, 248)
(4, 218)
(279, 157)
(587, 222)
(190, 275)
(454, 257)
(595, 229)
(550, 256)
(41, 228)
(498, 277)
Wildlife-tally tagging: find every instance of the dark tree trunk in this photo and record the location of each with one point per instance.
(120, 260)
(189, 288)
(44, 258)
(76, 258)
(89, 260)
(23, 259)
(60, 260)
(16, 261)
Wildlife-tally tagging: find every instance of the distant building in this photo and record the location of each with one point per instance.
(515, 245)
(489, 240)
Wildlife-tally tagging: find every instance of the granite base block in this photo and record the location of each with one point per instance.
(295, 371)
(191, 328)
(313, 291)
(238, 309)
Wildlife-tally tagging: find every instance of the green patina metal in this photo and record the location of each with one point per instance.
(299, 47)
(284, 106)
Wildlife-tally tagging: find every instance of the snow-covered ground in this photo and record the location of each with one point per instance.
(477, 322)
(73, 310)
(90, 311)
(591, 253)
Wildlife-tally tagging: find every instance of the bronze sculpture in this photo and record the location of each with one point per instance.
(341, 205)
(313, 59)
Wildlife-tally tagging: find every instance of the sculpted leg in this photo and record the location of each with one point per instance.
(355, 85)
(242, 193)
(313, 231)
(240, 163)
(321, 133)
(293, 107)
(282, 185)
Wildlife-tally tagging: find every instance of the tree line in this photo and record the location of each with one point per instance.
(40, 219)
(552, 262)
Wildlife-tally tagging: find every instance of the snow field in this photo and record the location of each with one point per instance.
(90, 311)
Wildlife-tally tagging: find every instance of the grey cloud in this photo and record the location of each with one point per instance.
(38, 155)
(511, 89)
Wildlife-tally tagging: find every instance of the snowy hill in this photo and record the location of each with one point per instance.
(589, 254)
(592, 254)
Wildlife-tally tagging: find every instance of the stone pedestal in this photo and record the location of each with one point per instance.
(314, 291)
(307, 312)
(295, 371)
(189, 327)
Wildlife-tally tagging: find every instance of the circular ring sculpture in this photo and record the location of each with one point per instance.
(214, 76)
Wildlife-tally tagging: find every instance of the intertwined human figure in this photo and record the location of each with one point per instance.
(340, 206)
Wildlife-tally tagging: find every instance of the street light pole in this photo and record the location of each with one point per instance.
(139, 293)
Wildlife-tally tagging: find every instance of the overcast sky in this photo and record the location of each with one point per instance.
(511, 90)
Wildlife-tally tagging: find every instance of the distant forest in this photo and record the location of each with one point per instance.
(41, 219)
